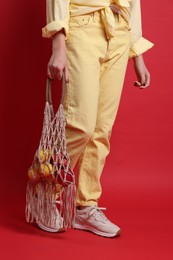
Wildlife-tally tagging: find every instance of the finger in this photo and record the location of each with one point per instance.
(66, 74)
(143, 83)
(49, 75)
(137, 84)
(143, 86)
(143, 80)
(60, 74)
(147, 80)
(114, 9)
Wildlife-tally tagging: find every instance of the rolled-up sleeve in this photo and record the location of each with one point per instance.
(139, 44)
(57, 15)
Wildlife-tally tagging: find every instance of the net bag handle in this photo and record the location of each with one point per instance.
(49, 90)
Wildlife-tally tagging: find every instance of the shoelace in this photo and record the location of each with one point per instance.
(97, 212)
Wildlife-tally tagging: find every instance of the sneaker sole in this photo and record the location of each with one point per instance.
(47, 228)
(95, 231)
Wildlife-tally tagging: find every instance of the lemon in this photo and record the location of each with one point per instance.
(46, 169)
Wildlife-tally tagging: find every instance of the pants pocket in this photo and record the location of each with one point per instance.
(79, 21)
(123, 22)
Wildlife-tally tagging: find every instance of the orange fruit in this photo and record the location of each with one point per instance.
(44, 155)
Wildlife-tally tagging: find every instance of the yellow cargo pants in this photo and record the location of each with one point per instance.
(97, 68)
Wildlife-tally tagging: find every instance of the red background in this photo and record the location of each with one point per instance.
(138, 177)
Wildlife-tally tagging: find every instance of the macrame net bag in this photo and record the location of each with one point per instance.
(50, 170)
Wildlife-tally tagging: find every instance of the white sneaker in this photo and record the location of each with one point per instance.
(57, 224)
(93, 219)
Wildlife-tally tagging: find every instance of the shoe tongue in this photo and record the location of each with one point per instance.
(100, 215)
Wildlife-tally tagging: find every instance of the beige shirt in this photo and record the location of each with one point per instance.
(59, 11)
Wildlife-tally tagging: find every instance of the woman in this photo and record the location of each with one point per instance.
(92, 42)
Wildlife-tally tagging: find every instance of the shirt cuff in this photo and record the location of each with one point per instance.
(141, 46)
(52, 28)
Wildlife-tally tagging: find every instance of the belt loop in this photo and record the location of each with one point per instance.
(94, 16)
(119, 17)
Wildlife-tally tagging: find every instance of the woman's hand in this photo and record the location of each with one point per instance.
(142, 73)
(115, 9)
(58, 62)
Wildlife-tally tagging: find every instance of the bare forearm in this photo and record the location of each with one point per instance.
(58, 41)
(138, 59)
(58, 62)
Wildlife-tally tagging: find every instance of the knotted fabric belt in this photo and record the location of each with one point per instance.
(107, 14)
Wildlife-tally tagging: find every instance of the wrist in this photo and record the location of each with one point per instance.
(58, 40)
(138, 59)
